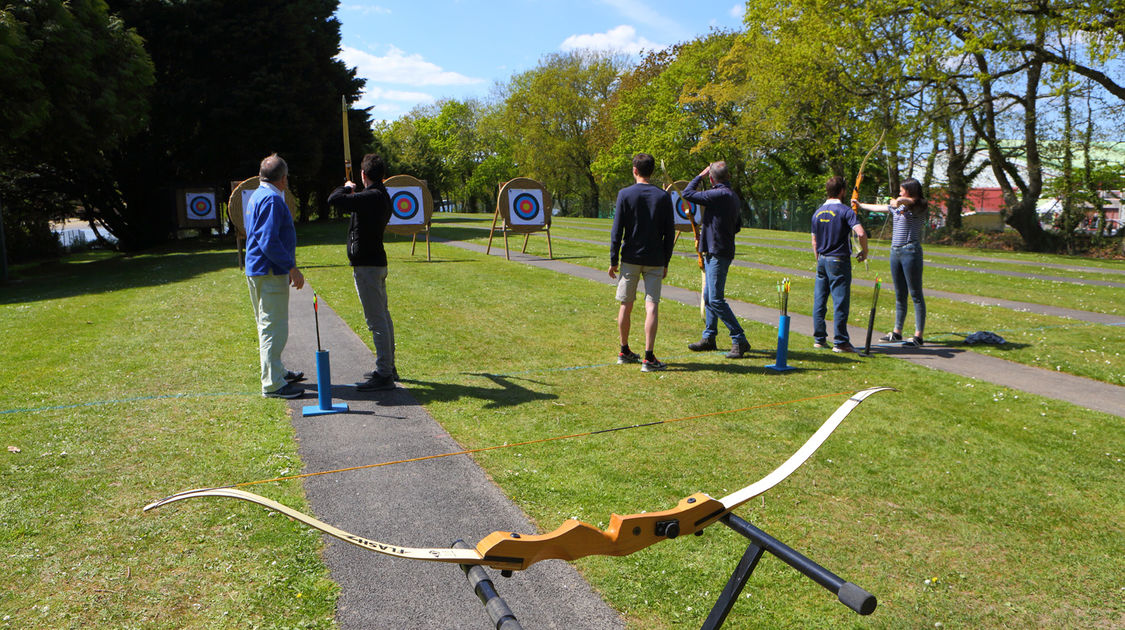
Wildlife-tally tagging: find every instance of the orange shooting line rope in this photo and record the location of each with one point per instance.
(539, 441)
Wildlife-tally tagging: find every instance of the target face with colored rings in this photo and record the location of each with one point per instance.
(201, 206)
(405, 205)
(526, 206)
(685, 209)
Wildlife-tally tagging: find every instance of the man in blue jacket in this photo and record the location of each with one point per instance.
(271, 268)
(722, 218)
(644, 232)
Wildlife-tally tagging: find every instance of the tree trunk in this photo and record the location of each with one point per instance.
(592, 197)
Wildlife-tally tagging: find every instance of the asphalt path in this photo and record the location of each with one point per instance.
(422, 504)
(1084, 392)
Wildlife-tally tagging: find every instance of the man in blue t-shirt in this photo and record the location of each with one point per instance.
(644, 232)
(831, 225)
(271, 268)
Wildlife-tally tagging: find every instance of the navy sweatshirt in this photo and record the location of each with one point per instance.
(644, 230)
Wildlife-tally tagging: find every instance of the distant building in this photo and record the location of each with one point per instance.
(986, 196)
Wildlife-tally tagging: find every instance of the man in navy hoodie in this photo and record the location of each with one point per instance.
(271, 268)
(644, 232)
(722, 218)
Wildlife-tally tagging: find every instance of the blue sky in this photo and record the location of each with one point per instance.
(414, 53)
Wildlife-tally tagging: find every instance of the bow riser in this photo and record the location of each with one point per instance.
(625, 535)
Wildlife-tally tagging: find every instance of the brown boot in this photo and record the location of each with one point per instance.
(738, 349)
(703, 345)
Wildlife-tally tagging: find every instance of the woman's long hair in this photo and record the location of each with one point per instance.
(913, 190)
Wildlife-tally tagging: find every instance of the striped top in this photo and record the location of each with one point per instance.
(907, 226)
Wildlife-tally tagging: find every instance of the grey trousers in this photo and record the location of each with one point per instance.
(371, 285)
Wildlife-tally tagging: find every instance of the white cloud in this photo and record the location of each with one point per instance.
(401, 68)
(737, 11)
(622, 38)
(642, 13)
(365, 9)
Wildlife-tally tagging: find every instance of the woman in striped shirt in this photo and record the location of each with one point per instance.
(909, 213)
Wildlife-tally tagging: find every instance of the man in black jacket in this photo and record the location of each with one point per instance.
(370, 210)
(644, 234)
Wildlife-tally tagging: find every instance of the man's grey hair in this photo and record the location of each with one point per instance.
(719, 171)
(273, 169)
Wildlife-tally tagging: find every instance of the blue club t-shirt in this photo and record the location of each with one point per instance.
(832, 224)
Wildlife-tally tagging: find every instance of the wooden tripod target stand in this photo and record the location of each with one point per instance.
(412, 207)
(525, 207)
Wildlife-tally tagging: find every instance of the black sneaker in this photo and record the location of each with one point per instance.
(294, 377)
(368, 375)
(653, 365)
(843, 347)
(820, 345)
(376, 383)
(913, 342)
(891, 336)
(703, 345)
(288, 390)
(628, 357)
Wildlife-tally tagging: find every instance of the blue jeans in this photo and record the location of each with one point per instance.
(906, 270)
(833, 275)
(715, 269)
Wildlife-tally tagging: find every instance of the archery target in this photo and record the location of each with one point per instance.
(247, 193)
(526, 206)
(406, 205)
(201, 207)
(684, 209)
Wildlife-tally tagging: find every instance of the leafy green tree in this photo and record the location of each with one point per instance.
(73, 78)
(652, 111)
(555, 109)
(234, 83)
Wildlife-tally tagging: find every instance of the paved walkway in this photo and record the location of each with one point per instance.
(1083, 392)
(422, 504)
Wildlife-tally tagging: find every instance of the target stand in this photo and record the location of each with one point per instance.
(525, 207)
(236, 210)
(412, 207)
(683, 210)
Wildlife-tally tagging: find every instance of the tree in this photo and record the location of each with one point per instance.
(74, 81)
(555, 109)
(1012, 48)
(234, 83)
(656, 109)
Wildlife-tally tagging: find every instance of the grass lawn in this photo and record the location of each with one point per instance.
(954, 501)
(1054, 343)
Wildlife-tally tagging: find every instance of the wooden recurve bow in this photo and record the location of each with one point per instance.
(511, 551)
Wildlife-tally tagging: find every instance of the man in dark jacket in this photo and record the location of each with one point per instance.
(721, 220)
(370, 210)
(644, 233)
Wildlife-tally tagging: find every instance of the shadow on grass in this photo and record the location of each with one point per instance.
(506, 394)
(102, 272)
(84, 275)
